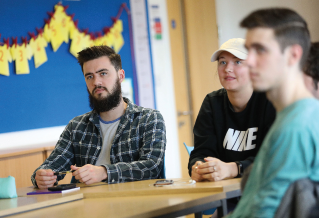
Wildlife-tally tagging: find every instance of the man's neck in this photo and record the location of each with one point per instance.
(239, 99)
(115, 112)
(289, 91)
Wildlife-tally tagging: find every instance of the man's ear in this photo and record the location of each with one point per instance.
(121, 74)
(295, 54)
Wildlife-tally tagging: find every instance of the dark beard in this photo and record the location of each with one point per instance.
(111, 101)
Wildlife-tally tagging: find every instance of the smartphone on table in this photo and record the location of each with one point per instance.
(62, 187)
(163, 182)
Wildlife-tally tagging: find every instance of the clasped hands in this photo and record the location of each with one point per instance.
(213, 170)
(87, 174)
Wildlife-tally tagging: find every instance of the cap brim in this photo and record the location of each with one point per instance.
(234, 52)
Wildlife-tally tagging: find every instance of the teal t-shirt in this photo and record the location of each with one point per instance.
(290, 151)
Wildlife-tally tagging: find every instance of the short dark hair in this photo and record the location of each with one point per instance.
(289, 28)
(312, 63)
(95, 52)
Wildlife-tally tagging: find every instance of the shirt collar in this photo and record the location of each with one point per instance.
(130, 109)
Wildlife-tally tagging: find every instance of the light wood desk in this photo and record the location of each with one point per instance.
(140, 199)
(23, 204)
(146, 188)
(141, 206)
(12, 160)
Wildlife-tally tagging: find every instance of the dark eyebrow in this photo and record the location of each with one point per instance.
(87, 74)
(99, 71)
(256, 45)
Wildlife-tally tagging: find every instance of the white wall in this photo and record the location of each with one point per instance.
(231, 12)
(31, 138)
(164, 85)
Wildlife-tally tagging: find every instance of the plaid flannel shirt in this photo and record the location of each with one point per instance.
(137, 151)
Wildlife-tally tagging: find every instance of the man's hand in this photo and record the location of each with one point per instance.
(45, 178)
(89, 174)
(195, 175)
(214, 169)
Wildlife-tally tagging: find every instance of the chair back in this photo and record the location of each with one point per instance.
(293, 203)
(188, 148)
(163, 174)
(73, 180)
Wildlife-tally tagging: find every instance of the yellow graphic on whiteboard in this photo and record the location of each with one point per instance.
(79, 42)
(47, 32)
(107, 39)
(38, 49)
(87, 42)
(99, 41)
(53, 33)
(21, 54)
(72, 29)
(5, 56)
(64, 22)
(118, 25)
(116, 31)
(59, 28)
(77, 39)
(56, 35)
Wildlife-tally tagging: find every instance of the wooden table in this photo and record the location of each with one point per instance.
(141, 199)
(22, 204)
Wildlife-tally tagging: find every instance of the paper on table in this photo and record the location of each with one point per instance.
(46, 191)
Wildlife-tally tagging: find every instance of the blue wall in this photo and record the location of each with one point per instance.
(54, 93)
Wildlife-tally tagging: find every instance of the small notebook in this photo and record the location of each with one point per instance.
(46, 191)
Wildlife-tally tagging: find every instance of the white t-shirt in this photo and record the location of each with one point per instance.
(108, 130)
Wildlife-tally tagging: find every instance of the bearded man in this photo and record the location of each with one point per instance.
(117, 141)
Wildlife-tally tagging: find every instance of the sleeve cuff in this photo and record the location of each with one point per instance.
(112, 174)
(245, 164)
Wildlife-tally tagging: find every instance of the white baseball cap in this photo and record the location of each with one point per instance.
(234, 46)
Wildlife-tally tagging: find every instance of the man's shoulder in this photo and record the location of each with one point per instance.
(299, 119)
(82, 121)
(301, 113)
(82, 118)
(148, 113)
(142, 111)
(141, 116)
